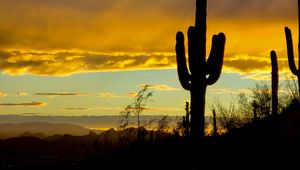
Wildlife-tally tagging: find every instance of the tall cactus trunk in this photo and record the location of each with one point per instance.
(201, 72)
(290, 49)
(198, 111)
(275, 80)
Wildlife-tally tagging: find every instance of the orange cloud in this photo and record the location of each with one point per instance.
(109, 95)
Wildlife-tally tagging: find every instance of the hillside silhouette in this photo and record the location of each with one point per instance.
(41, 129)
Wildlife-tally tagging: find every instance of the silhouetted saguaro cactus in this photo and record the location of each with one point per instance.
(215, 123)
(275, 78)
(201, 72)
(290, 49)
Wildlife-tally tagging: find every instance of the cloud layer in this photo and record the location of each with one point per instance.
(63, 63)
(58, 63)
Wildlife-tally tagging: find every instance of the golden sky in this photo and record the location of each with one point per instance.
(63, 37)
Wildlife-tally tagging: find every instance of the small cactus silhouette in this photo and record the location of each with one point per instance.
(274, 83)
(186, 120)
(215, 133)
(202, 71)
(290, 49)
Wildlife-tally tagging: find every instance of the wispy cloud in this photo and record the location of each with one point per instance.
(161, 87)
(109, 95)
(113, 95)
(229, 91)
(30, 104)
(13, 94)
(75, 108)
(61, 94)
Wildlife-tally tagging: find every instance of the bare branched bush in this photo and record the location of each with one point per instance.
(140, 103)
(136, 108)
(262, 96)
(290, 90)
(163, 124)
(246, 107)
(228, 118)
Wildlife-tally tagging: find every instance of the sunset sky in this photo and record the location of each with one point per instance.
(89, 57)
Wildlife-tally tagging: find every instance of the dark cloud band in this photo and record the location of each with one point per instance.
(24, 104)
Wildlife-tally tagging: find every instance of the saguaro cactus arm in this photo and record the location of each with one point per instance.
(183, 73)
(194, 59)
(215, 60)
(290, 49)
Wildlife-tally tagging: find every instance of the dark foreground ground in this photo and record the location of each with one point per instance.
(269, 143)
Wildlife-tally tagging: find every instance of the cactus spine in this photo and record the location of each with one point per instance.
(274, 83)
(201, 72)
(289, 42)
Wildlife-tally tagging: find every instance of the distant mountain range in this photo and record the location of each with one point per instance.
(40, 129)
(91, 122)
